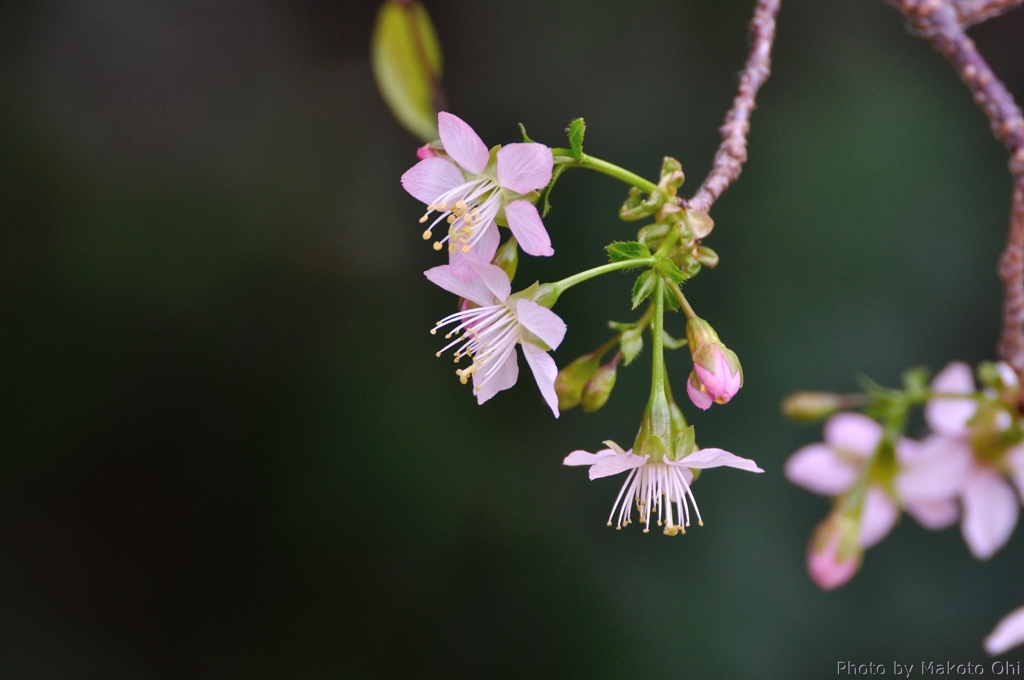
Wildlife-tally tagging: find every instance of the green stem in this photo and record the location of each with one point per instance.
(566, 157)
(558, 287)
(658, 341)
(687, 309)
(670, 240)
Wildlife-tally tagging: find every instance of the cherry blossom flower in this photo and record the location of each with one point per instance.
(655, 485)
(488, 333)
(970, 440)
(470, 190)
(1007, 634)
(925, 483)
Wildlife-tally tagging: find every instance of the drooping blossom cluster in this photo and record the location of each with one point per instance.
(469, 192)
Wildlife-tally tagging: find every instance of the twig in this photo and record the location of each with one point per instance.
(732, 152)
(970, 12)
(939, 21)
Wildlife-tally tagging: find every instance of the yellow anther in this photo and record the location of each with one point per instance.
(433, 331)
(438, 355)
(426, 234)
(465, 249)
(700, 522)
(423, 219)
(451, 219)
(431, 208)
(451, 248)
(437, 245)
(647, 531)
(609, 523)
(443, 206)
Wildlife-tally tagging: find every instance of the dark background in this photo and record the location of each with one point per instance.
(226, 447)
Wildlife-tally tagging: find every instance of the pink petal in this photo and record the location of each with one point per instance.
(505, 375)
(824, 566)
(711, 458)
(950, 416)
(494, 278)
(934, 515)
(937, 471)
(541, 321)
(462, 143)
(817, 468)
(990, 513)
(524, 167)
(472, 289)
(1007, 634)
(700, 398)
(527, 227)
(586, 458)
(482, 251)
(853, 432)
(1015, 462)
(544, 372)
(877, 517)
(425, 152)
(430, 178)
(721, 383)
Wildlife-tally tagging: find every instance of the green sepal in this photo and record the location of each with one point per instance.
(526, 137)
(643, 287)
(631, 343)
(576, 129)
(671, 342)
(707, 257)
(620, 251)
(546, 191)
(599, 387)
(699, 223)
(684, 443)
(406, 58)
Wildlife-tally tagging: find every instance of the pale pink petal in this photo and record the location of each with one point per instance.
(505, 374)
(1007, 634)
(934, 515)
(462, 143)
(950, 416)
(482, 251)
(1015, 461)
(878, 516)
(853, 432)
(541, 321)
(494, 278)
(1007, 375)
(544, 372)
(937, 470)
(587, 458)
(430, 178)
(613, 465)
(700, 398)
(990, 513)
(524, 167)
(472, 289)
(817, 468)
(711, 458)
(528, 228)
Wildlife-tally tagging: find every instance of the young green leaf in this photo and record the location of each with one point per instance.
(406, 60)
(643, 287)
(671, 271)
(620, 251)
(576, 129)
(631, 342)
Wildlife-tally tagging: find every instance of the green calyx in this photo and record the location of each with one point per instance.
(571, 380)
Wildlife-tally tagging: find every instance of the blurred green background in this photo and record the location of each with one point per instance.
(228, 451)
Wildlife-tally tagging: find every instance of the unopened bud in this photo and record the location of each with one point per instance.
(507, 257)
(834, 554)
(600, 386)
(707, 257)
(717, 367)
(571, 380)
(806, 407)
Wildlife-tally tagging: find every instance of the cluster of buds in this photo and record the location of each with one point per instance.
(470, 193)
(969, 468)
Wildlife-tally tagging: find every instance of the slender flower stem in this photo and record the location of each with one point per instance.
(658, 341)
(687, 309)
(670, 240)
(565, 157)
(559, 287)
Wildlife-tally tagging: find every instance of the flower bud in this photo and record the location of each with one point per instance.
(707, 257)
(600, 385)
(507, 257)
(717, 368)
(698, 393)
(806, 407)
(834, 554)
(571, 380)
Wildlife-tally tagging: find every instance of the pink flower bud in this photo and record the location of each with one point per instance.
(718, 370)
(832, 557)
(425, 152)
